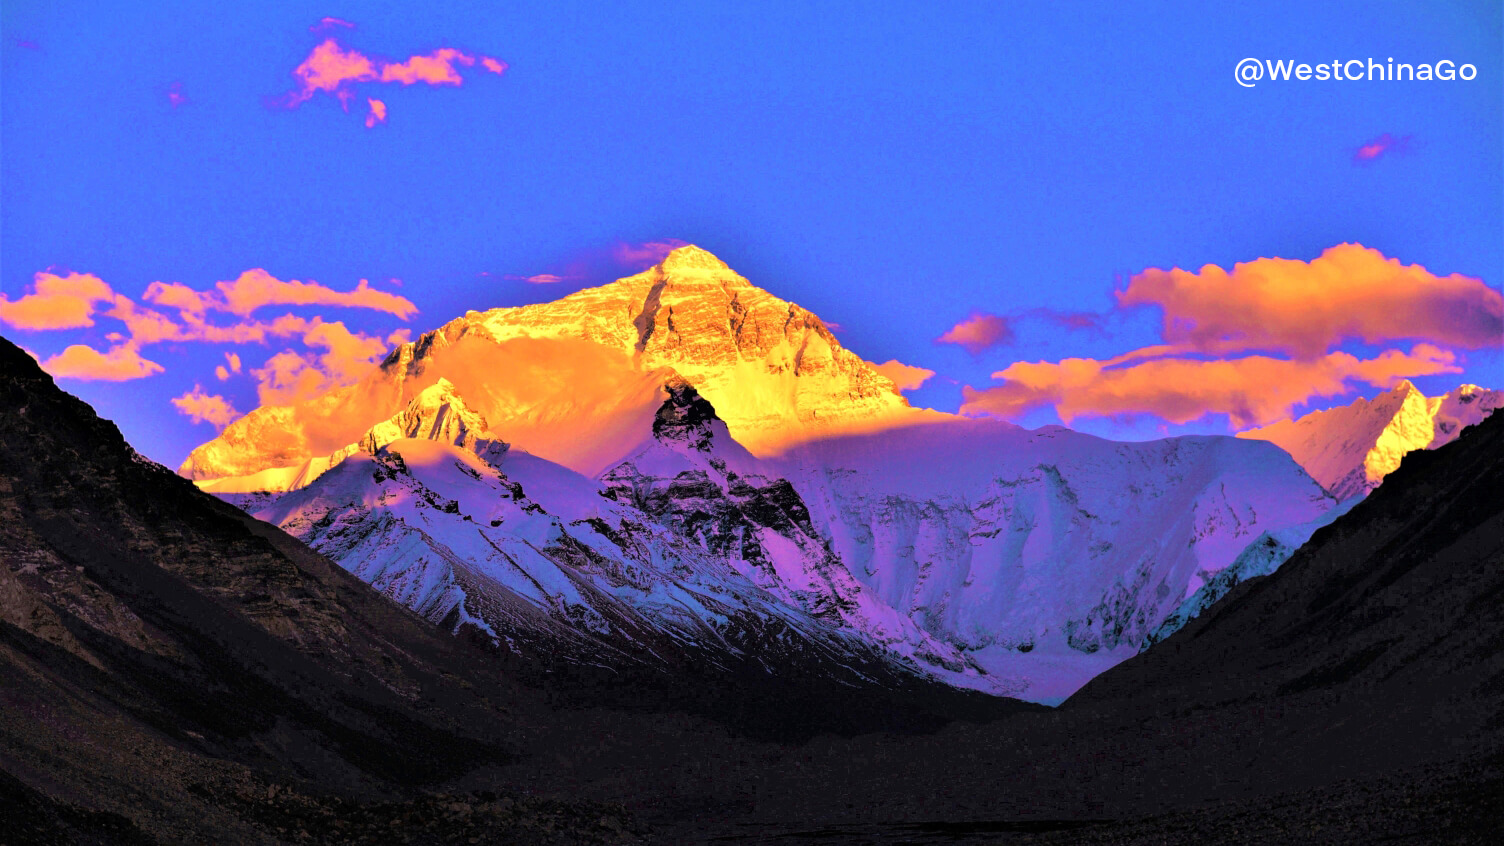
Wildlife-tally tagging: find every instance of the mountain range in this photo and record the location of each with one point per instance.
(678, 465)
(174, 671)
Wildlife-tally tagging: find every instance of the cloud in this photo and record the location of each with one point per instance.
(978, 332)
(336, 70)
(290, 376)
(255, 288)
(377, 113)
(231, 365)
(649, 253)
(326, 24)
(57, 302)
(144, 325)
(1349, 292)
(122, 363)
(1252, 391)
(544, 279)
(905, 377)
(206, 408)
(332, 69)
(1381, 146)
(175, 95)
(436, 68)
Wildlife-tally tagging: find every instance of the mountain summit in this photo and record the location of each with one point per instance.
(1350, 450)
(578, 380)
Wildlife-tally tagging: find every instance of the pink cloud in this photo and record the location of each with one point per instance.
(57, 302)
(175, 95)
(905, 377)
(326, 24)
(1381, 146)
(978, 332)
(377, 113)
(255, 288)
(206, 408)
(1349, 292)
(1253, 390)
(122, 363)
(649, 253)
(336, 70)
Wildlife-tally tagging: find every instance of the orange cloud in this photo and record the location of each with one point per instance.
(1302, 308)
(57, 302)
(905, 377)
(290, 376)
(231, 365)
(1252, 391)
(495, 66)
(256, 288)
(122, 363)
(377, 113)
(206, 408)
(978, 332)
(332, 69)
(143, 325)
(434, 69)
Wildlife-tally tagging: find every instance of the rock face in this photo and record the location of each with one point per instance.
(574, 380)
(1350, 450)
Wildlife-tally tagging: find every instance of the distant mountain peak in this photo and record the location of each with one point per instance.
(1350, 449)
(437, 413)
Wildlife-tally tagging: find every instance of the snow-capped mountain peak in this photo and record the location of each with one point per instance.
(578, 380)
(1349, 450)
(437, 413)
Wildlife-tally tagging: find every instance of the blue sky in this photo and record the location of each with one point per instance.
(892, 168)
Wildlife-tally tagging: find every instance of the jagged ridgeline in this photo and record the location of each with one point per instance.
(681, 467)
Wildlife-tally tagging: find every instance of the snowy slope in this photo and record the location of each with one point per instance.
(1260, 558)
(1350, 450)
(696, 467)
(1049, 554)
(610, 570)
